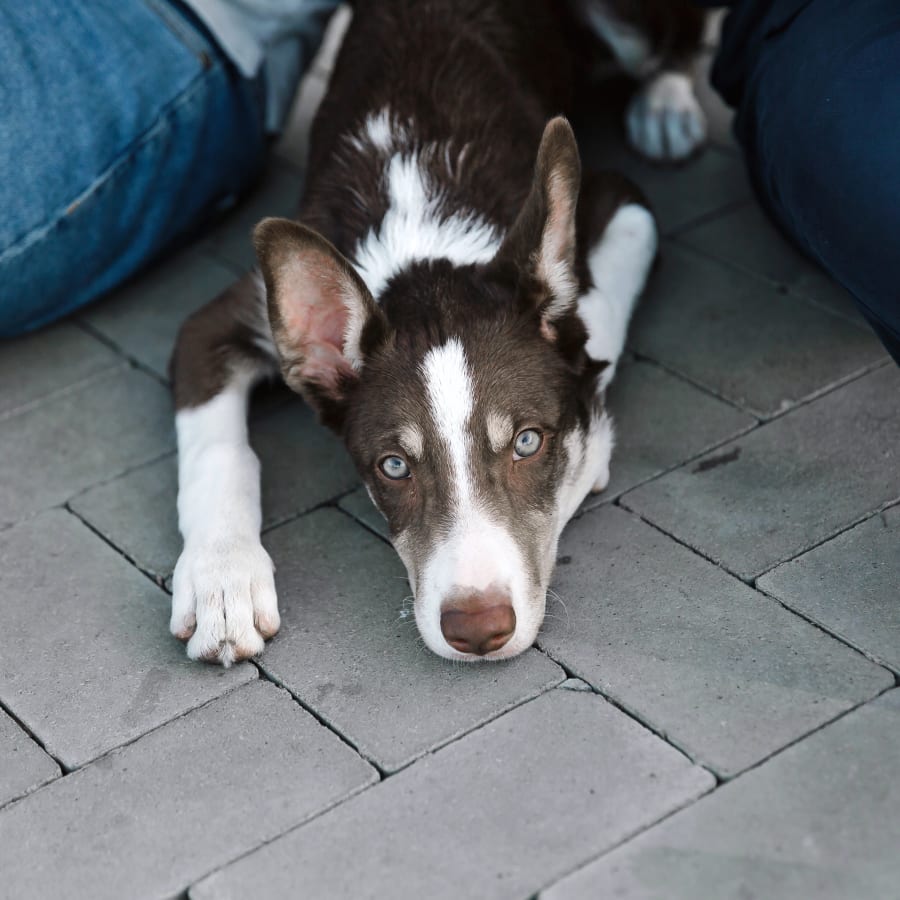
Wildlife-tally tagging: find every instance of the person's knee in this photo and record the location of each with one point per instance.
(824, 156)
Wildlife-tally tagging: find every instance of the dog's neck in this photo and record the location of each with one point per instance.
(430, 155)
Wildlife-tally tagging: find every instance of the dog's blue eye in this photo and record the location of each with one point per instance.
(394, 467)
(528, 442)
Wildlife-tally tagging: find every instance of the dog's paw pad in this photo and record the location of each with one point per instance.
(223, 600)
(664, 119)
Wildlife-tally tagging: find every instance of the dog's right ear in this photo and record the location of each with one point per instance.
(320, 311)
(540, 245)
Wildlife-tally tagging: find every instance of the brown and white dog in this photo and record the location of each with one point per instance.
(453, 302)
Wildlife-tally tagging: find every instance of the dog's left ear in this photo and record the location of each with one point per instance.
(541, 243)
(321, 313)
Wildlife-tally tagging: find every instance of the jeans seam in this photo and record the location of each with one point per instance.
(190, 38)
(115, 167)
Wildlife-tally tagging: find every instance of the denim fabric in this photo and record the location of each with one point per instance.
(819, 121)
(122, 127)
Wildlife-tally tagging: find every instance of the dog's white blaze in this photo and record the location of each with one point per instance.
(417, 227)
(477, 554)
(223, 579)
(450, 396)
(619, 265)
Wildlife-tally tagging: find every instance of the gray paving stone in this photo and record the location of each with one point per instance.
(349, 649)
(76, 439)
(147, 820)
(143, 318)
(850, 586)
(740, 338)
(496, 814)
(726, 673)
(745, 237)
(661, 421)
(303, 465)
(818, 821)
(23, 765)
(86, 658)
(780, 490)
(277, 195)
(34, 366)
(137, 514)
(358, 505)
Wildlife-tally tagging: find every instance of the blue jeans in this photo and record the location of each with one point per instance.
(122, 128)
(817, 89)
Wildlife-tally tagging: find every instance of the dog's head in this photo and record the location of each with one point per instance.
(466, 400)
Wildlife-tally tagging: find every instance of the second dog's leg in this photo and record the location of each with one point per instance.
(223, 594)
(656, 42)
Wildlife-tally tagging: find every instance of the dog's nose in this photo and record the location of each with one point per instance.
(478, 624)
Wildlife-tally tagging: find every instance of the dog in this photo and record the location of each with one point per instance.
(452, 301)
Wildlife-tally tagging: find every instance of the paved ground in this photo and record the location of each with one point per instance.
(711, 710)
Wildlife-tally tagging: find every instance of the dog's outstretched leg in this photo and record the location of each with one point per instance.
(655, 41)
(223, 594)
(617, 246)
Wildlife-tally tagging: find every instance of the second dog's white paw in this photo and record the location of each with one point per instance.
(223, 600)
(664, 120)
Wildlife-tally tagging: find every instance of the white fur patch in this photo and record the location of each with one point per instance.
(619, 264)
(588, 467)
(223, 592)
(499, 430)
(416, 227)
(412, 441)
(664, 119)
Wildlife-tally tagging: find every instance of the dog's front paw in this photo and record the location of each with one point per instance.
(664, 119)
(223, 599)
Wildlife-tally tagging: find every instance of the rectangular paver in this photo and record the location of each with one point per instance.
(850, 586)
(738, 336)
(745, 237)
(359, 505)
(818, 821)
(73, 440)
(493, 815)
(143, 318)
(660, 421)
(789, 485)
(52, 360)
(145, 821)
(727, 673)
(23, 764)
(86, 658)
(349, 647)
